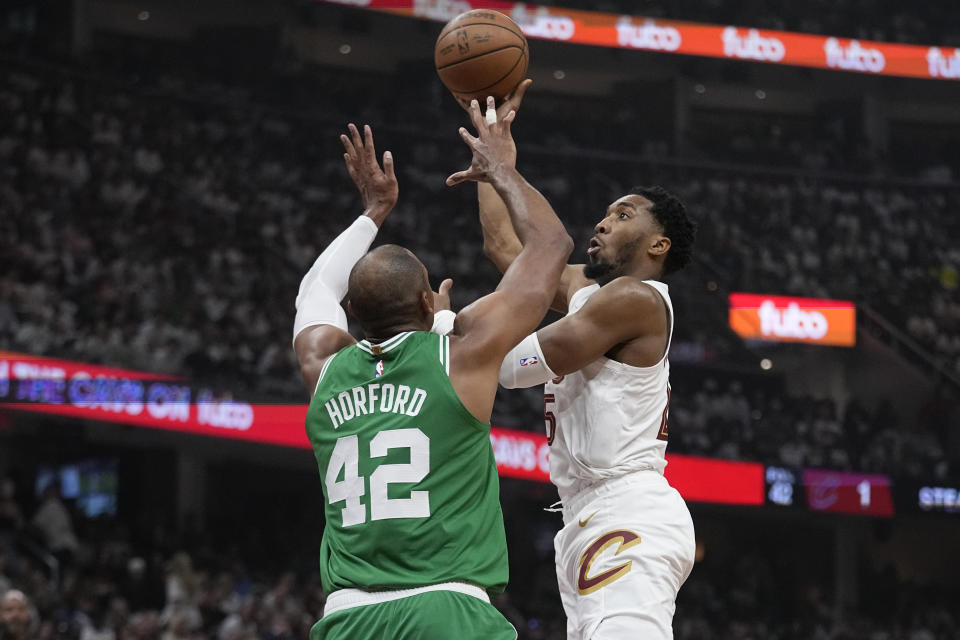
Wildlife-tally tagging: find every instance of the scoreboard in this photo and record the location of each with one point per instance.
(865, 494)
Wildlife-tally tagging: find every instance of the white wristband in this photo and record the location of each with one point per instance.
(443, 322)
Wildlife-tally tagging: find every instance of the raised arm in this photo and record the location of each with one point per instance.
(320, 327)
(487, 329)
(500, 242)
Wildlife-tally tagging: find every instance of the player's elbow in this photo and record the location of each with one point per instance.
(561, 243)
(552, 248)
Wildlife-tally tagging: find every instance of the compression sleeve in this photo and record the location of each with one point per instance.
(525, 366)
(325, 284)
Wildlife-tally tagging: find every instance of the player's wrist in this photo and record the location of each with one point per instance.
(378, 212)
(502, 174)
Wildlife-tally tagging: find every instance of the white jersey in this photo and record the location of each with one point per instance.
(608, 418)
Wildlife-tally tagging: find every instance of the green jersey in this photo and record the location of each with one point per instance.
(410, 486)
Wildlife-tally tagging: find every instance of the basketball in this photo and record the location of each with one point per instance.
(481, 53)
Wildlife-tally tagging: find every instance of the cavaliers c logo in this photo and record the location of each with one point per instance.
(588, 584)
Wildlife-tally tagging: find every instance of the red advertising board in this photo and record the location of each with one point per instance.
(79, 390)
(691, 38)
(783, 319)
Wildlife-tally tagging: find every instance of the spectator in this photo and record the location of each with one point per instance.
(16, 617)
(53, 521)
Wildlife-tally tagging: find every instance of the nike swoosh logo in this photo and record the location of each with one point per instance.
(584, 522)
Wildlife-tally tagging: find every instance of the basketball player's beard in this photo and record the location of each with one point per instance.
(604, 272)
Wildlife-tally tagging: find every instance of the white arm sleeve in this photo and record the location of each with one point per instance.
(325, 285)
(525, 366)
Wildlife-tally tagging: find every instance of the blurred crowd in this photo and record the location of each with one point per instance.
(163, 225)
(725, 421)
(926, 22)
(112, 584)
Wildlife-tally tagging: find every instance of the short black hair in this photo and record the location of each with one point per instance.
(670, 212)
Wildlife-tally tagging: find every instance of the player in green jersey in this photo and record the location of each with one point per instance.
(399, 422)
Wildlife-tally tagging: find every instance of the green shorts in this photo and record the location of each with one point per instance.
(434, 615)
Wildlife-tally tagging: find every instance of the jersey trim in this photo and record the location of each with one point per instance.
(384, 346)
(445, 345)
(350, 598)
(323, 370)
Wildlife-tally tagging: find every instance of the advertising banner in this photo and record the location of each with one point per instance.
(692, 38)
(783, 319)
(78, 390)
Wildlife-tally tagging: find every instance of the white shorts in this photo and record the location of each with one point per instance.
(626, 547)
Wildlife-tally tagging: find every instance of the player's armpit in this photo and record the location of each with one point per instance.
(314, 345)
(623, 311)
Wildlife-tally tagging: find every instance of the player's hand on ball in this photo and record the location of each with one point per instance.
(378, 188)
(492, 148)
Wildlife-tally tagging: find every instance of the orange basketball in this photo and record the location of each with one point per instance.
(481, 53)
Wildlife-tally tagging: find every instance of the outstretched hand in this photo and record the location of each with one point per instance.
(492, 148)
(378, 188)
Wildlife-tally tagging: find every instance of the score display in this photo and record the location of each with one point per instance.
(781, 487)
(866, 494)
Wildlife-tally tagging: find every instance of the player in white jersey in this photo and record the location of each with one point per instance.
(627, 544)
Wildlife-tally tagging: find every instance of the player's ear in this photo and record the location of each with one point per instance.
(426, 302)
(660, 246)
(353, 314)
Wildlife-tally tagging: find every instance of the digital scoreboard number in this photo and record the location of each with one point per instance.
(781, 485)
(845, 492)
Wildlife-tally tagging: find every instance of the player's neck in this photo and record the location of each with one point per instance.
(382, 335)
(640, 272)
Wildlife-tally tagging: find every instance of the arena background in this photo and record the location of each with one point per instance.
(170, 168)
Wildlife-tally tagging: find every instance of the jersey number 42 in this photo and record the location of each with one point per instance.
(346, 458)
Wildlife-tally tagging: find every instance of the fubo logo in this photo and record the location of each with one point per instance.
(648, 35)
(853, 57)
(942, 64)
(792, 322)
(779, 318)
(752, 46)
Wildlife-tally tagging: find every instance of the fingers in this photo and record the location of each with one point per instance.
(476, 117)
(369, 151)
(355, 139)
(351, 166)
(445, 287)
(388, 165)
(348, 146)
(467, 136)
(490, 117)
(507, 121)
(461, 176)
(516, 98)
